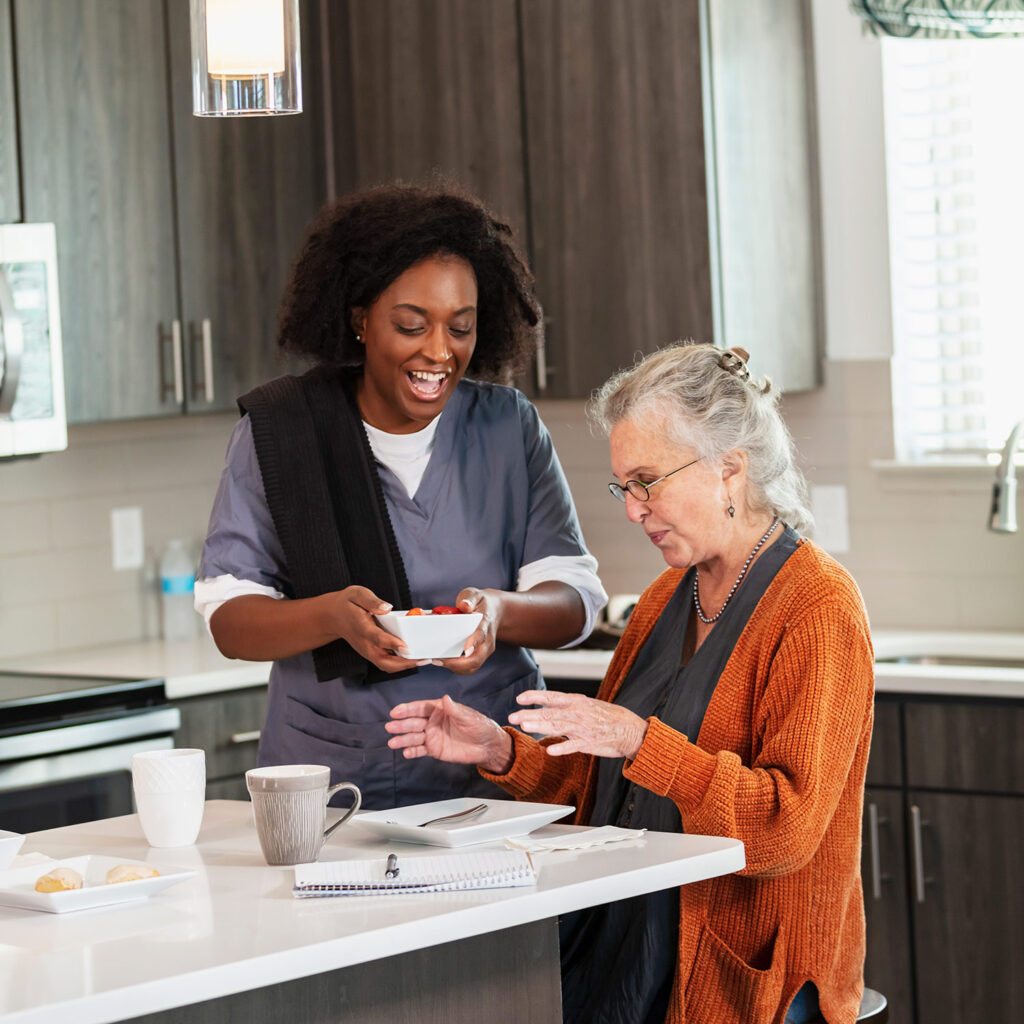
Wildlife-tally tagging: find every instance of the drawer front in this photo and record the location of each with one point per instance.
(225, 725)
(966, 746)
(885, 766)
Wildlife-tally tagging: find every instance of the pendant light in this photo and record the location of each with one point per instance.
(245, 58)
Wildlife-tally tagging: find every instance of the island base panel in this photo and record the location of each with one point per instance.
(470, 980)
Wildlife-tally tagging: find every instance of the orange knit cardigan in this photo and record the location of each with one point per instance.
(779, 763)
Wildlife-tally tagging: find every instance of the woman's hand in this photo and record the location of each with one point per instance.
(449, 732)
(352, 613)
(589, 726)
(480, 643)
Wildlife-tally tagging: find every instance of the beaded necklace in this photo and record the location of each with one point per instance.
(739, 579)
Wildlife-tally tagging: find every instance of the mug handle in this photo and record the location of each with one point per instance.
(352, 810)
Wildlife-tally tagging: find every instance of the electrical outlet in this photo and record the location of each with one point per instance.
(126, 538)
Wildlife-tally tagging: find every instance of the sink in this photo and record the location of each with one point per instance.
(948, 659)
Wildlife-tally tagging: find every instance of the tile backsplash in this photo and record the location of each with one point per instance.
(918, 546)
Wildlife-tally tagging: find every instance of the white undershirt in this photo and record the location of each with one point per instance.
(407, 455)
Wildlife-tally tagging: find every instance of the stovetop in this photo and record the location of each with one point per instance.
(18, 689)
(31, 700)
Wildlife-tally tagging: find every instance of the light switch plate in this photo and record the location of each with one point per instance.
(126, 537)
(831, 517)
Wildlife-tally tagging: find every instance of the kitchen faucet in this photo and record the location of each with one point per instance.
(1003, 517)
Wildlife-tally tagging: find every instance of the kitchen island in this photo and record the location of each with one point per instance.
(232, 943)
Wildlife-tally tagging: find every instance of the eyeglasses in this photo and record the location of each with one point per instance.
(640, 491)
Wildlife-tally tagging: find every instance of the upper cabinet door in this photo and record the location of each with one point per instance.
(10, 196)
(246, 188)
(92, 94)
(618, 200)
(429, 86)
(764, 170)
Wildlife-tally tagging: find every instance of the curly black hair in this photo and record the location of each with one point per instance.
(358, 245)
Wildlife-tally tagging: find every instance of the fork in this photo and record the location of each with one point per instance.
(469, 812)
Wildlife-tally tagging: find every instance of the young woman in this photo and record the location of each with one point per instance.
(386, 478)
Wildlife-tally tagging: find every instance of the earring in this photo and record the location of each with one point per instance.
(731, 510)
(359, 339)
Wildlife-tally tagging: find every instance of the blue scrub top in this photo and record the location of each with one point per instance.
(492, 499)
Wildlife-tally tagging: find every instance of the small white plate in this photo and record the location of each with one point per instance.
(17, 887)
(10, 844)
(502, 819)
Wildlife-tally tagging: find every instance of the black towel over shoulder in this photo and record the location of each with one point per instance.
(325, 499)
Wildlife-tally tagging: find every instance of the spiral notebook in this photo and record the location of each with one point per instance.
(490, 869)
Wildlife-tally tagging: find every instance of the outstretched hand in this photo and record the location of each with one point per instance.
(449, 731)
(480, 643)
(589, 726)
(353, 610)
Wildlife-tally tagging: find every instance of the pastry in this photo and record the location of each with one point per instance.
(130, 873)
(59, 880)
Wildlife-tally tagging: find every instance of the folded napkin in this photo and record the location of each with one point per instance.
(575, 840)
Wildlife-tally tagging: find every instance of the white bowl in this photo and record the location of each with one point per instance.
(10, 844)
(429, 635)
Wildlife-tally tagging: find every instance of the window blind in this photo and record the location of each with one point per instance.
(954, 147)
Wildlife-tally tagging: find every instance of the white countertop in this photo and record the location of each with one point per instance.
(235, 926)
(193, 667)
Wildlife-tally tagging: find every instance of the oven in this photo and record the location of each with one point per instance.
(66, 744)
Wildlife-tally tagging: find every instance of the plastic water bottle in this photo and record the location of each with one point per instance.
(177, 584)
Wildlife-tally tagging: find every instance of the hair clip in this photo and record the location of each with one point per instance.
(734, 361)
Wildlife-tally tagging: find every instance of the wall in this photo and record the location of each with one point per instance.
(57, 585)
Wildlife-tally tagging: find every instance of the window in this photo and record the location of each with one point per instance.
(955, 153)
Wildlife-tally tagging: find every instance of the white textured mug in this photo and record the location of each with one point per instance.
(289, 805)
(170, 791)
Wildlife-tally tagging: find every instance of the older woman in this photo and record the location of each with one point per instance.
(738, 703)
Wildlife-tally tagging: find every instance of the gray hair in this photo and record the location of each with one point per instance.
(704, 398)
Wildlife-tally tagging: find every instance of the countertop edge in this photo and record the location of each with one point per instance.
(194, 668)
(617, 871)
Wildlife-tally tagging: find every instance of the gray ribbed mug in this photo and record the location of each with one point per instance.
(289, 805)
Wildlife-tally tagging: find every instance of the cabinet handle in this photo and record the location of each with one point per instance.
(917, 852)
(179, 374)
(245, 737)
(176, 385)
(202, 385)
(876, 855)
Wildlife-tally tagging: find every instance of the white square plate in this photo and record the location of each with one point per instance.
(17, 887)
(502, 819)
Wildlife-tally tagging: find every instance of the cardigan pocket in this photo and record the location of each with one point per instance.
(724, 989)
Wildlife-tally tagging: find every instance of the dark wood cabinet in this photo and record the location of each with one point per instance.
(633, 144)
(174, 233)
(968, 905)
(245, 190)
(96, 160)
(618, 198)
(945, 909)
(428, 87)
(226, 725)
(888, 966)
(10, 188)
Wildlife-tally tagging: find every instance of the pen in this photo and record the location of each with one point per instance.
(391, 871)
